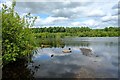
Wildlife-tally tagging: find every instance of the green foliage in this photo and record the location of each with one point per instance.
(52, 32)
(17, 39)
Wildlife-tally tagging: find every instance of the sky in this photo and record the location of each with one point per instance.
(69, 13)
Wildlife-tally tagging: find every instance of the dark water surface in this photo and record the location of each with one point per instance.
(103, 63)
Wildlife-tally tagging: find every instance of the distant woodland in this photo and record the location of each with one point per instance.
(75, 31)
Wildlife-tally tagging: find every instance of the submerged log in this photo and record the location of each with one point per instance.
(66, 51)
(86, 51)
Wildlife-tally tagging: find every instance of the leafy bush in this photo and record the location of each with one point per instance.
(17, 39)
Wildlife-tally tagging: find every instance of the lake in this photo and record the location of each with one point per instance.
(102, 64)
(49, 61)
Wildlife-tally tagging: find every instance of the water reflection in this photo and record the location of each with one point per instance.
(68, 65)
(76, 65)
(51, 42)
(17, 70)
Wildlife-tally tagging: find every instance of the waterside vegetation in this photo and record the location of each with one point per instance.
(17, 40)
(53, 32)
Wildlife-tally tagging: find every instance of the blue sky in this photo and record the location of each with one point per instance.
(77, 13)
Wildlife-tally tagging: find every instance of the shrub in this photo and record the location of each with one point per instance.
(17, 39)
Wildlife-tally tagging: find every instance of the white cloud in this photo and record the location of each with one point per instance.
(70, 13)
(38, 21)
(78, 9)
(49, 20)
(95, 13)
(109, 17)
(115, 17)
(22, 14)
(67, 2)
(0, 6)
(116, 6)
(8, 3)
(91, 23)
(75, 24)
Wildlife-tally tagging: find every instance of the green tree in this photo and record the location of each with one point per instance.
(17, 39)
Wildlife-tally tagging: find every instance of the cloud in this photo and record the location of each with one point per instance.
(116, 9)
(95, 13)
(45, 7)
(91, 23)
(56, 9)
(49, 20)
(0, 6)
(116, 6)
(109, 17)
(63, 13)
(8, 3)
(70, 13)
(75, 24)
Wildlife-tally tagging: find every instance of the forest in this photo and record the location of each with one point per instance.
(75, 31)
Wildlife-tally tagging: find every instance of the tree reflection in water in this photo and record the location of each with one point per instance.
(67, 65)
(17, 70)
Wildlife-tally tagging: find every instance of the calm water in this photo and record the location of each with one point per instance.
(75, 64)
(103, 63)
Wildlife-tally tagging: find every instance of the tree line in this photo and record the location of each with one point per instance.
(72, 29)
(76, 31)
